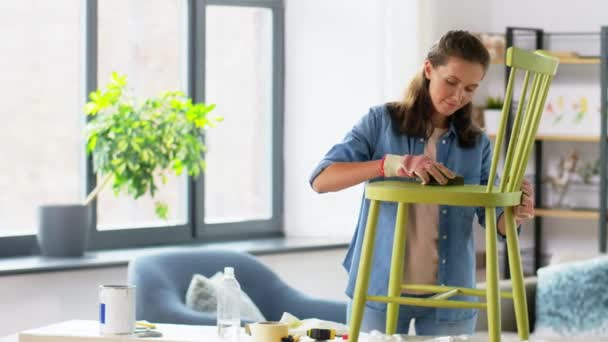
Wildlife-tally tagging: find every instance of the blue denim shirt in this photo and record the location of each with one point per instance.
(370, 139)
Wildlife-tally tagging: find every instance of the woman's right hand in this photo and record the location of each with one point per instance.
(419, 166)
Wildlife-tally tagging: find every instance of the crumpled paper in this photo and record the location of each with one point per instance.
(300, 326)
(377, 336)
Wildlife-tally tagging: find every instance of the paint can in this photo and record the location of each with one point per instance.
(116, 309)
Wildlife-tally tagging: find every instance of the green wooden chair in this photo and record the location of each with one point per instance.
(541, 69)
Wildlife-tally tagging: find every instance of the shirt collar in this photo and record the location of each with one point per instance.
(452, 128)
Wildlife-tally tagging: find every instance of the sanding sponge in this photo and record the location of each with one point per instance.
(458, 180)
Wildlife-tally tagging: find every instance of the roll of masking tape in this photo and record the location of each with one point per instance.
(268, 331)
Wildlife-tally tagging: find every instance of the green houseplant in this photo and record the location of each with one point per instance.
(133, 144)
(494, 102)
(492, 112)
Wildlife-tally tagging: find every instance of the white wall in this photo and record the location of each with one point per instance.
(552, 15)
(33, 300)
(444, 15)
(495, 15)
(342, 57)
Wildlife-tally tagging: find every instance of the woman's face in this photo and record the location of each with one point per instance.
(452, 85)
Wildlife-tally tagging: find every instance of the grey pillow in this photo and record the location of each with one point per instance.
(202, 296)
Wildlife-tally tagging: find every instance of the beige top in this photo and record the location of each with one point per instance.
(421, 255)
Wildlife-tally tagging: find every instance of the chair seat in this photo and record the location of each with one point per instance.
(460, 195)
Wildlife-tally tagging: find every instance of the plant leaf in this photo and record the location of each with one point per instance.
(162, 210)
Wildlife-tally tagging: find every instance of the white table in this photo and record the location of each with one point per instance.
(12, 338)
(88, 331)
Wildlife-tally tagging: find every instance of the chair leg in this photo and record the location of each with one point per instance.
(517, 277)
(492, 294)
(396, 275)
(365, 262)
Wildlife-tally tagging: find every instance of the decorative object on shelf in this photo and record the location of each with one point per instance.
(133, 143)
(590, 172)
(584, 181)
(495, 43)
(560, 182)
(571, 112)
(577, 200)
(492, 113)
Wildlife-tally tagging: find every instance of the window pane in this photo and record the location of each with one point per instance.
(239, 80)
(41, 141)
(133, 40)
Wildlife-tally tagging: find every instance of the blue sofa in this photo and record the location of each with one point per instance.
(162, 281)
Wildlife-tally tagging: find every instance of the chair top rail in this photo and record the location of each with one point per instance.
(534, 61)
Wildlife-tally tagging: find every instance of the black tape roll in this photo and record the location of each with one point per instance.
(321, 334)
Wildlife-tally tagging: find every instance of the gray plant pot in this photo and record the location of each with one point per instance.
(63, 230)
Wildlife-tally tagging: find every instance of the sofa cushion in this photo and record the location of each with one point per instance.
(571, 299)
(202, 296)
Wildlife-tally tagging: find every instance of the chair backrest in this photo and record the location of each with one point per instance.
(530, 105)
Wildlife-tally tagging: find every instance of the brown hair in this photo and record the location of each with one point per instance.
(411, 115)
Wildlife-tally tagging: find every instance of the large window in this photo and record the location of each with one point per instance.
(242, 191)
(227, 52)
(152, 53)
(41, 145)
(238, 183)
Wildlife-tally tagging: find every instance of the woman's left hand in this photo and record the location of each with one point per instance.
(525, 211)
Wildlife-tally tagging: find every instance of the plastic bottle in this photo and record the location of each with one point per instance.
(228, 307)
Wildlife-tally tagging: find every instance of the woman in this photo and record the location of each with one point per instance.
(428, 135)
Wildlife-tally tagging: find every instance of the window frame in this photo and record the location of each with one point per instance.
(195, 230)
(125, 237)
(252, 228)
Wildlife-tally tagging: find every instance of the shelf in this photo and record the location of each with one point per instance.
(570, 57)
(498, 61)
(578, 60)
(575, 138)
(562, 60)
(567, 213)
(571, 138)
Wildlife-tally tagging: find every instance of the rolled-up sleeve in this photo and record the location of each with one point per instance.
(358, 145)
